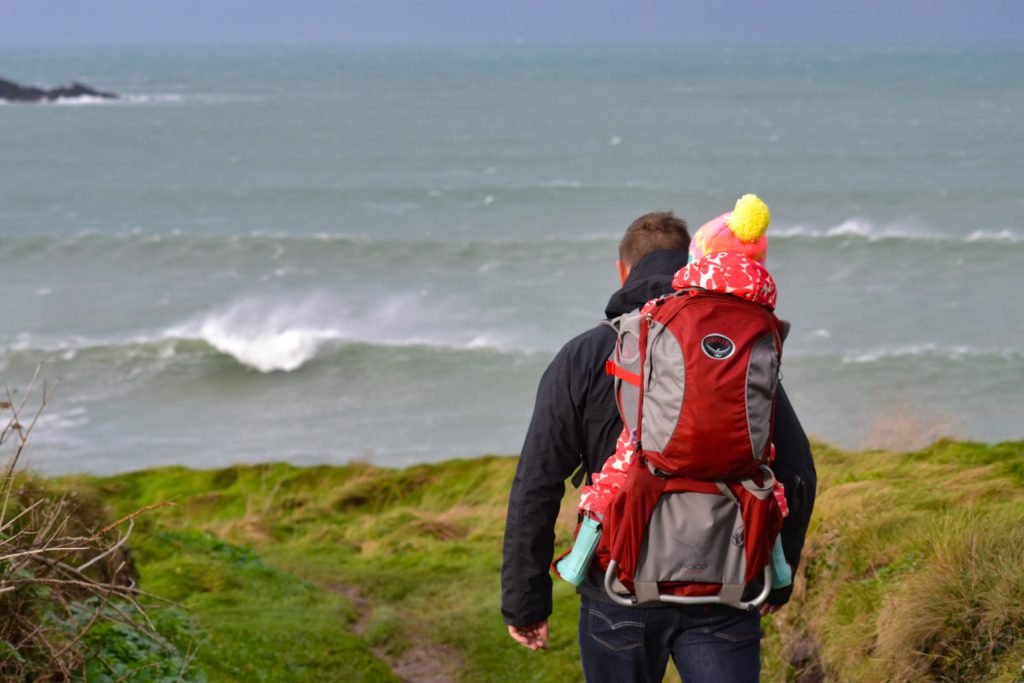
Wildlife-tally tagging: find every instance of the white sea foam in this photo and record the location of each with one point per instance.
(160, 98)
(274, 336)
(265, 349)
(283, 333)
(280, 339)
(930, 350)
(570, 184)
(67, 419)
(82, 101)
(488, 266)
(265, 345)
(861, 228)
(994, 236)
(486, 341)
(91, 100)
(152, 99)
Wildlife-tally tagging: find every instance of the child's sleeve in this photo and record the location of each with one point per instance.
(596, 497)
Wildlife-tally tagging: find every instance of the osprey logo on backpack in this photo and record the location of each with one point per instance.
(717, 346)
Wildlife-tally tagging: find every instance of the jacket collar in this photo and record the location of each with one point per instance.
(648, 279)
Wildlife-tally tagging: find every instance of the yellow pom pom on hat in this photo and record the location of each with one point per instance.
(749, 219)
(740, 230)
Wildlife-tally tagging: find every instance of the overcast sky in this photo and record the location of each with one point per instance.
(45, 23)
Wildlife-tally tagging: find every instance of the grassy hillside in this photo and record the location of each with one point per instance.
(914, 570)
(915, 567)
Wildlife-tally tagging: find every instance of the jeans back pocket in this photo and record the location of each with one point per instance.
(615, 631)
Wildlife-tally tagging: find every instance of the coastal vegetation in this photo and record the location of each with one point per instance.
(913, 570)
(70, 605)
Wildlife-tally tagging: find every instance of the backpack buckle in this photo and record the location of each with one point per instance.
(655, 471)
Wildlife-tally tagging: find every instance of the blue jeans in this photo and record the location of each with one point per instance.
(633, 644)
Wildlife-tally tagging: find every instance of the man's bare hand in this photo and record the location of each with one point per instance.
(532, 637)
(767, 609)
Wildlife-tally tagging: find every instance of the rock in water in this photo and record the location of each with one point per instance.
(15, 92)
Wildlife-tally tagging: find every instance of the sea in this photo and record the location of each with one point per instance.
(330, 254)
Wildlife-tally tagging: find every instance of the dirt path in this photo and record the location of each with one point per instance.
(421, 662)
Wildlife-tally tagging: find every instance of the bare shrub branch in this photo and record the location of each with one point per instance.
(60, 576)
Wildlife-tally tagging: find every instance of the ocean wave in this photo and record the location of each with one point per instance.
(151, 99)
(138, 244)
(265, 346)
(931, 351)
(90, 100)
(993, 236)
(855, 229)
(273, 344)
(154, 243)
(64, 419)
(271, 337)
(866, 230)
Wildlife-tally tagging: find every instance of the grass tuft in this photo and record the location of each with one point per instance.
(914, 568)
(953, 621)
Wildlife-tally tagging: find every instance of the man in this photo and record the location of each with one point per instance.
(575, 424)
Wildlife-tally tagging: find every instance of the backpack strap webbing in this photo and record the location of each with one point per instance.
(615, 370)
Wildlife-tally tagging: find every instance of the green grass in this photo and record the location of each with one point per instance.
(914, 569)
(258, 622)
(262, 556)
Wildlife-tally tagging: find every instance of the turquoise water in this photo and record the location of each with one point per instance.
(322, 255)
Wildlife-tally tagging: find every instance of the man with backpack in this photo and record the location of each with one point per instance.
(574, 429)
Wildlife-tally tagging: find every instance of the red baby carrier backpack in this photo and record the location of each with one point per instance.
(695, 374)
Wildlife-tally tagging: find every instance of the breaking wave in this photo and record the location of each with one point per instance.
(267, 342)
(869, 231)
(275, 342)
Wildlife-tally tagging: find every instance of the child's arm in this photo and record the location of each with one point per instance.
(594, 501)
(595, 498)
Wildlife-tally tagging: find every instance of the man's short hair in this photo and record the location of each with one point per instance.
(650, 232)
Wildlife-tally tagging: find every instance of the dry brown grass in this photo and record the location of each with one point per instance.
(913, 570)
(63, 571)
(955, 621)
(901, 426)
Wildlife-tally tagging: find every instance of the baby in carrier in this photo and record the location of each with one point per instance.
(726, 256)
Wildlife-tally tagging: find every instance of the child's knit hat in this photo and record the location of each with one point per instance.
(741, 230)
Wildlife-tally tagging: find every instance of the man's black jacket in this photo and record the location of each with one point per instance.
(575, 422)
